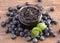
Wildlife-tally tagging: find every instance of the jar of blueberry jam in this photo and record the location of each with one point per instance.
(29, 15)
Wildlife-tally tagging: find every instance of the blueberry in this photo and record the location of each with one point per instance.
(28, 38)
(35, 40)
(41, 8)
(44, 18)
(38, 37)
(10, 9)
(59, 31)
(49, 17)
(52, 9)
(15, 10)
(28, 33)
(20, 29)
(21, 34)
(13, 32)
(53, 34)
(15, 22)
(13, 36)
(41, 34)
(17, 33)
(47, 34)
(11, 14)
(26, 3)
(39, 0)
(26, 30)
(9, 29)
(42, 38)
(8, 14)
(58, 41)
(49, 21)
(15, 29)
(16, 17)
(19, 6)
(41, 21)
(7, 21)
(54, 21)
(13, 26)
(10, 19)
(3, 24)
(45, 31)
(45, 14)
(49, 27)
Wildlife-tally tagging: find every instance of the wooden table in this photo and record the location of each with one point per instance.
(4, 4)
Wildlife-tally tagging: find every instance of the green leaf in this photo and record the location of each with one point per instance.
(35, 32)
(42, 26)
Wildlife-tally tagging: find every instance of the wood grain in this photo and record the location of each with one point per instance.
(4, 4)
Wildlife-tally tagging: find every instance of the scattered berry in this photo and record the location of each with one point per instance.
(28, 38)
(3, 24)
(35, 40)
(13, 36)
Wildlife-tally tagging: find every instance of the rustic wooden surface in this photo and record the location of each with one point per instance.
(4, 4)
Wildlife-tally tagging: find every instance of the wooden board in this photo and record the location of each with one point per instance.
(4, 4)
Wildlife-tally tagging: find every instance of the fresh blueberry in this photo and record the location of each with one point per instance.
(28, 33)
(3, 24)
(16, 17)
(44, 18)
(10, 19)
(41, 8)
(28, 38)
(25, 35)
(21, 34)
(58, 41)
(54, 21)
(15, 29)
(53, 34)
(35, 40)
(41, 34)
(9, 29)
(8, 14)
(20, 29)
(13, 36)
(45, 31)
(59, 30)
(10, 9)
(49, 27)
(47, 34)
(13, 32)
(25, 30)
(13, 26)
(15, 22)
(42, 38)
(17, 33)
(7, 21)
(52, 9)
(39, 0)
(15, 10)
(45, 13)
(26, 3)
(19, 6)
(49, 21)
(11, 14)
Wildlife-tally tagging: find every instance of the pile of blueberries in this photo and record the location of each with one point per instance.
(18, 29)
